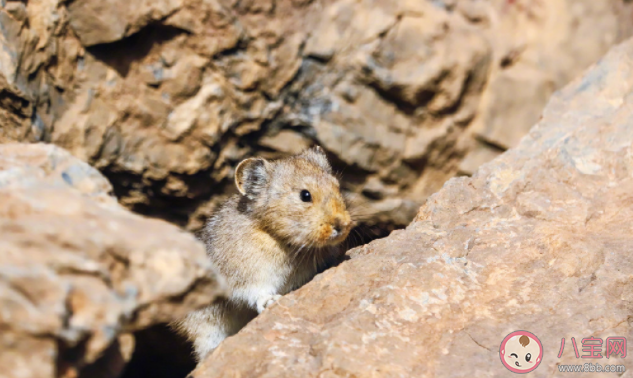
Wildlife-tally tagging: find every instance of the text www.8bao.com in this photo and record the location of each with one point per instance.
(591, 368)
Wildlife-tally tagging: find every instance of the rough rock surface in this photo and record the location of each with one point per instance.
(78, 272)
(165, 97)
(539, 239)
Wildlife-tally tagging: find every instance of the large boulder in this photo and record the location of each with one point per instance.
(539, 239)
(165, 97)
(79, 273)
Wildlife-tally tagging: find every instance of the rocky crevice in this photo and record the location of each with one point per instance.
(166, 98)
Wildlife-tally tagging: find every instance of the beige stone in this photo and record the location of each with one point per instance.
(78, 272)
(101, 21)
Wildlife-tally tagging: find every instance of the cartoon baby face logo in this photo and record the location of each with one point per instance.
(521, 352)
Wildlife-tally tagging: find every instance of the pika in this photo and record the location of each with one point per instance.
(287, 222)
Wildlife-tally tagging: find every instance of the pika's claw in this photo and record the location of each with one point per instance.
(264, 302)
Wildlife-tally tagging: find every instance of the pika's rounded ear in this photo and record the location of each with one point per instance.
(317, 156)
(251, 176)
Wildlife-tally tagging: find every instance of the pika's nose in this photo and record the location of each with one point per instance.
(339, 226)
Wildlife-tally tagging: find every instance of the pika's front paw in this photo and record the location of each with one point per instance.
(264, 302)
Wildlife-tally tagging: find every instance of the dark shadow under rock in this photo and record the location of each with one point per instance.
(160, 353)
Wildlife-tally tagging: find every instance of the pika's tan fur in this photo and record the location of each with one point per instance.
(267, 241)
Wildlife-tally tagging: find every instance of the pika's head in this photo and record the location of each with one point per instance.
(296, 199)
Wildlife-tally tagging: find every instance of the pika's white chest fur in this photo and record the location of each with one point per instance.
(257, 267)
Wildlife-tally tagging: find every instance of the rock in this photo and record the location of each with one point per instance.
(478, 156)
(166, 97)
(15, 113)
(78, 272)
(539, 239)
(286, 141)
(98, 22)
(15, 106)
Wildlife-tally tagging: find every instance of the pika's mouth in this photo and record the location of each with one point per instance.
(336, 232)
(338, 235)
(517, 364)
(334, 239)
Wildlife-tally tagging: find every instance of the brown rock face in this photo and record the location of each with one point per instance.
(97, 22)
(539, 239)
(79, 273)
(165, 97)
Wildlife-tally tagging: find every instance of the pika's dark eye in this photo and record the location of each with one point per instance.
(528, 357)
(306, 196)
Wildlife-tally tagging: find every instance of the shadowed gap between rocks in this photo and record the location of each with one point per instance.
(121, 54)
(160, 353)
